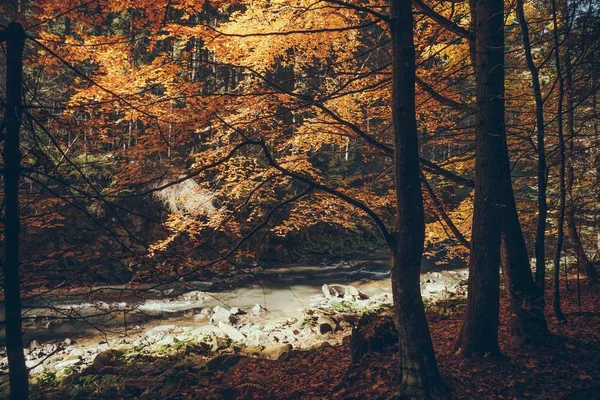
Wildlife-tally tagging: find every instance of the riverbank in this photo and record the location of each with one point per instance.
(565, 367)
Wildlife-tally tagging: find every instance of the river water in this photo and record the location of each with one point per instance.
(283, 290)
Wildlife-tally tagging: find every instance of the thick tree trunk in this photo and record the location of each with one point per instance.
(418, 368)
(479, 332)
(15, 38)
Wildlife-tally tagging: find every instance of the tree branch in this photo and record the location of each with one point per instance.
(443, 21)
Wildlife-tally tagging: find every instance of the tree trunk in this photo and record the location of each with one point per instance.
(540, 236)
(418, 368)
(479, 332)
(561, 148)
(583, 259)
(15, 38)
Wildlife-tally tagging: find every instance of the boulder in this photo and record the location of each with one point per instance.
(326, 324)
(258, 310)
(237, 311)
(233, 333)
(252, 350)
(196, 295)
(201, 317)
(279, 351)
(333, 291)
(435, 287)
(105, 361)
(373, 333)
(161, 330)
(221, 314)
(224, 362)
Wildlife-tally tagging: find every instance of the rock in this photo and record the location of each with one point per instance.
(258, 310)
(333, 291)
(105, 360)
(277, 351)
(206, 311)
(34, 344)
(208, 331)
(252, 350)
(162, 329)
(325, 324)
(237, 311)
(221, 314)
(224, 362)
(196, 295)
(75, 354)
(372, 334)
(67, 363)
(233, 333)
(200, 317)
(435, 287)
(68, 341)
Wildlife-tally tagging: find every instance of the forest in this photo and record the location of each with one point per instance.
(300, 199)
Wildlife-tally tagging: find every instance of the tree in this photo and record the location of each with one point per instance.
(419, 374)
(14, 36)
(479, 332)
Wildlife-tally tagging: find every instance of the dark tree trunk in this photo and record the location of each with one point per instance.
(561, 148)
(528, 325)
(479, 332)
(540, 235)
(418, 368)
(15, 38)
(584, 261)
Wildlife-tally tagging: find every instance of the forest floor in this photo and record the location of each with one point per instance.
(564, 368)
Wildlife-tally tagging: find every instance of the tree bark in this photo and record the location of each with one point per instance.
(15, 39)
(526, 295)
(561, 148)
(479, 332)
(584, 262)
(540, 235)
(420, 377)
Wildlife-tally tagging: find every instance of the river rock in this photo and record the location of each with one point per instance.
(200, 317)
(253, 350)
(105, 360)
(326, 324)
(225, 362)
(237, 311)
(258, 310)
(221, 314)
(161, 330)
(435, 287)
(196, 295)
(67, 363)
(373, 333)
(333, 291)
(233, 333)
(278, 351)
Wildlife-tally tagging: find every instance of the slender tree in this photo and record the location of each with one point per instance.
(561, 149)
(540, 235)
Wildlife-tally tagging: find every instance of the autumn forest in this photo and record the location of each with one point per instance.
(300, 199)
